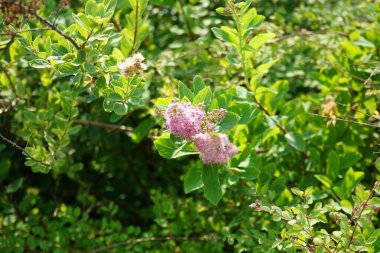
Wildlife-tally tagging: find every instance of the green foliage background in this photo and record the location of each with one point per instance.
(89, 177)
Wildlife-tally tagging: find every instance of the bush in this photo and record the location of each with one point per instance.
(189, 126)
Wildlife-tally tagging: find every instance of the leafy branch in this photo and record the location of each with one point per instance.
(30, 11)
(353, 217)
(46, 164)
(242, 34)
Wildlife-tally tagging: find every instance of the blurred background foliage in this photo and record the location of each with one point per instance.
(114, 193)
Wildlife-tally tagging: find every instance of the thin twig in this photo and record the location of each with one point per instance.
(24, 151)
(115, 24)
(88, 37)
(44, 21)
(352, 218)
(345, 120)
(352, 108)
(13, 87)
(107, 126)
(187, 23)
(136, 26)
(28, 30)
(149, 239)
(243, 59)
(56, 29)
(304, 33)
(361, 212)
(262, 108)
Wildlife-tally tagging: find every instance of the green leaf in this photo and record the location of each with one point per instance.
(108, 105)
(246, 112)
(227, 34)
(14, 186)
(350, 181)
(68, 68)
(324, 180)
(260, 39)
(167, 148)
(110, 6)
(309, 190)
(115, 97)
(193, 179)
(120, 108)
(377, 164)
(296, 141)
(257, 21)
(198, 84)
(91, 8)
(251, 173)
(31, 117)
(101, 82)
(203, 96)
(349, 159)
(142, 130)
(75, 129)
(212, 189)
(184, 91)
(297, 192)
(90, 68)
(80, 25)
(333, 165)
(248, 18)
(230, 120)
(39, 64)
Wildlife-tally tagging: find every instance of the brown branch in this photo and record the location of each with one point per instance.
(136, 26)
(262, 108)
(187, 23)
(150, 239)
(9, 198)
(24, 151)
(304, 33)
(115, 24)
(88, 37)
(361, 212)
(353, 108)
(6, 73)
(346, 120)
(56, 29)
(27, 10)
(106, 126)
(357, 222)
(24, 31)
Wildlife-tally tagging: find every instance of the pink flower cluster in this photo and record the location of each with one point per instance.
(193, 124)
(214, 148)
(184, 119)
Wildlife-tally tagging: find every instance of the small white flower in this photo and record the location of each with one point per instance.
(133, 65)
(138, 57)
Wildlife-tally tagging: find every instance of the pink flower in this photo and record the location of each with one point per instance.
(184, 119)
(214, 148)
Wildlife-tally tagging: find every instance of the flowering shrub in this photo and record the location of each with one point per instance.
(192, 124)
(189, 126)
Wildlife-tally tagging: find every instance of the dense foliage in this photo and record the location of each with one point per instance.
(189, 126)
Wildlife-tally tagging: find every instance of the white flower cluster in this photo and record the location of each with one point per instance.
(133, 65)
